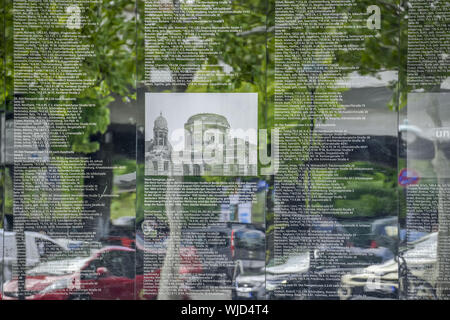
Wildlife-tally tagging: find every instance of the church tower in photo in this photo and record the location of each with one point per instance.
(158, 150)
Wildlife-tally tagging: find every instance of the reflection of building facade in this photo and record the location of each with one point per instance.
(209, 149)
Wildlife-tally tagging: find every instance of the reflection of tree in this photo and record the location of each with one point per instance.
(244, 54)
(251, 54)
(110, 32)
(113, 67)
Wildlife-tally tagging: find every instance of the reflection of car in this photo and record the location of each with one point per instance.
(221, 246)
(106, 274)
(378, 281)
(109, 273)
(385, 226)
(247, 245)
(121, 233)
(382, 280)
(250, 285)
(191, 266)
(410, 235)
(381, 232)
(317, 274)
(278, 274)
(39, 247)
(213, 247)
(119, 240)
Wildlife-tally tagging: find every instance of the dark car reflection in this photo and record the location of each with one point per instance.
(221, 249)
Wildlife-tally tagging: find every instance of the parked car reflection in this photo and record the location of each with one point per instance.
(250, 285)
(382, 280)
(39, 247)
(317, 274)
(109, 273)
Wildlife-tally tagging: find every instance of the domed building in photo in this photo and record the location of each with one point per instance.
(158, 150)
(205, 134)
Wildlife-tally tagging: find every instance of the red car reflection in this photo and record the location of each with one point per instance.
(110, 273)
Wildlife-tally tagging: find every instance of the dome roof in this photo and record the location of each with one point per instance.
(160, 122)
(212, 118)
